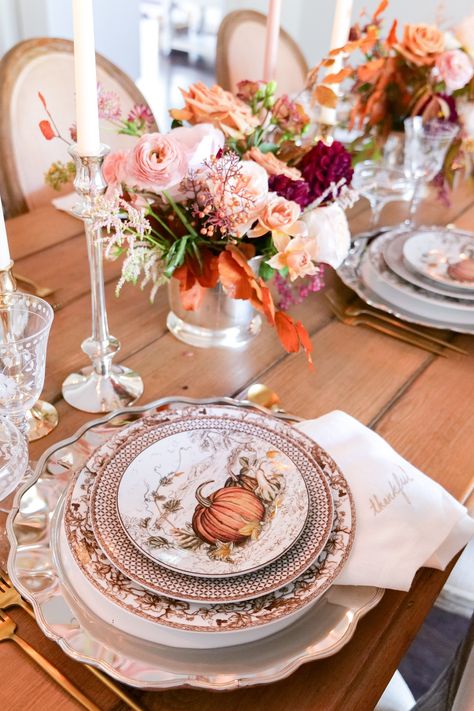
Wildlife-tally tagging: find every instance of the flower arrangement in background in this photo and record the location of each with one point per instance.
(418, 71)
(198, 203)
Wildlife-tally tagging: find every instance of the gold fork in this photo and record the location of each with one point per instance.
(365, 321)
(10, 597)
(358, 310)
(41, 291)
(8, 632)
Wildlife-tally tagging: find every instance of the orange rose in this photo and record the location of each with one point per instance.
(272, 164)
(421, 44)
(203, 104)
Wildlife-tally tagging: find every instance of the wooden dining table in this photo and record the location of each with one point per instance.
(422, 404)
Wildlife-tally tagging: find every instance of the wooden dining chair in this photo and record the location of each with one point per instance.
(240, 52)
(45, 65)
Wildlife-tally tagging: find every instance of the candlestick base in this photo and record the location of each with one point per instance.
(41, 420)
(90, 392)
(7, 280)
(325, 133)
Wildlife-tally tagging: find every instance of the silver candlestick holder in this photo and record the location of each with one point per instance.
(104, 386)
(43, 417)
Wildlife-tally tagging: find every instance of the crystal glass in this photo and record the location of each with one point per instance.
(426, 145)
(13, 457)
(381, 184)
(219, 322)
(25, 322)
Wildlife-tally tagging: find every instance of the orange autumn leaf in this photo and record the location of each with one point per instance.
(42, 99)
(367, 42)
(392, 36)
(292, 335)
(381, 8)
(367, 72)
(233, 277)
(47, 130)
(327, 62)
(338, 76)
(325, 96)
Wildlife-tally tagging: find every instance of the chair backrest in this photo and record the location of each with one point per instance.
(240, 53)
(45, 65)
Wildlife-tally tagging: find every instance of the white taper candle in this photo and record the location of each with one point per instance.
(5, 258)
(339, 36)
(271, 40)
(87, 114)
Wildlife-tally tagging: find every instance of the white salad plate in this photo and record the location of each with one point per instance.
(431, 252)
(393, 255)
(371, 289)
(210, 495)
(63, 616)
(125, 556)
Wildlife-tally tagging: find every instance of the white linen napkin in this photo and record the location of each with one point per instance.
(404, 519)
(66, 203)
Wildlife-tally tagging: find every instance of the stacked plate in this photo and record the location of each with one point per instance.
(425, 276)
(204, 527)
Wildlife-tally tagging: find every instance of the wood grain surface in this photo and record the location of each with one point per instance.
(420, 403)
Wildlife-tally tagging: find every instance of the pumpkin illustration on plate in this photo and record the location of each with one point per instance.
(229, 515)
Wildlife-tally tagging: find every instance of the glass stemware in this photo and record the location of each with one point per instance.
(25, 322)
(381, 184)
(426, 145)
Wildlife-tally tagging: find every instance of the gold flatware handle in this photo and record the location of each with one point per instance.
(106, 680)
(416, 332)
(55, 674)
(402, 337)
(41, 291)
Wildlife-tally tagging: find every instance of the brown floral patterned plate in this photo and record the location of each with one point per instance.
(213, 494)
(147, 573)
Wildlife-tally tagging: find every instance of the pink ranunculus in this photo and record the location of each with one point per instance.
(201, 141)
(115, 168)
(455, 69)
(159, 162)
(296, 254)
(278, 215)
(327, 226)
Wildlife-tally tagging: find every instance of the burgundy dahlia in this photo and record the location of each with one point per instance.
(325, 165)
(296, 190)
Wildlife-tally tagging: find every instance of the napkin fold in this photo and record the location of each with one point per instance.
(404, 519)
(66, 203)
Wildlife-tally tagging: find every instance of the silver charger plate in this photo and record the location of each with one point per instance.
(321, 632)
(349, 273)
(393, 255)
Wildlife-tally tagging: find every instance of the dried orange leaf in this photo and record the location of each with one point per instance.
(338, 76)
(325, 96)
(381, 8)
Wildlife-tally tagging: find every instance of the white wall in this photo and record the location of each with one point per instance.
(116, 26)
(309, 21)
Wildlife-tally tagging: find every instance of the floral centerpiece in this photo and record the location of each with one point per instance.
(232, 179)
(420, 71)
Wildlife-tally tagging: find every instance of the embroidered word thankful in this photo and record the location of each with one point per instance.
(397, 483)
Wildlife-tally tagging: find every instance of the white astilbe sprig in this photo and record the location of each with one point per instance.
(347, 197)
(333, 192)
(127, 230)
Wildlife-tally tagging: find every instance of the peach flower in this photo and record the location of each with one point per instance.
(328, 228)
(455, 69)
(254, 181)
(115, 168)
(272, 164)
(297, 254)
(278, 215)
(203, 104)
(421, 44)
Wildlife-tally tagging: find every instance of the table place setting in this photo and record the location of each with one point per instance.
(220, 542)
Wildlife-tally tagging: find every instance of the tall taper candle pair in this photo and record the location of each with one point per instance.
(103, 386)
